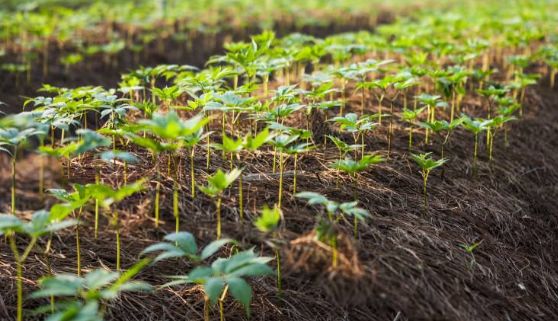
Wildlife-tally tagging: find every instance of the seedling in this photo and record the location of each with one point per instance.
(85, 298)
(268, 223)
(426, 164)
(227, 274)
(325, 229)
(216, 185)
(41, 223)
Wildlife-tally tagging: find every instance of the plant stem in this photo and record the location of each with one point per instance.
(125, 173)
(175, 206)
(192, 174)
(240, 198)
(97, 179)
(274, 159)
(218, 205)
(410, 138)
(206, 308)
(335, 252)
(42, 173)
(355, 227)
(14, 156)
(280, 178)
(424, 189)
(390, 130)
(294, 177)
(221, 304)
(208, 152)
(19, 277)
(278, 259)
(475, 150)
(117, 227)
(78, 251)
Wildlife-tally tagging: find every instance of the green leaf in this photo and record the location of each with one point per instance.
(9, 223)
(252, 269)
(213, 247)
(241, 291)
(268, 220)
(100, 278)
(213, 287)
(185, 241)
(59, 285)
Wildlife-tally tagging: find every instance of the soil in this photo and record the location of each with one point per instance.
(408, 263)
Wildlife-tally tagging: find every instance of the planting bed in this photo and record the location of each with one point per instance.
(478, 240)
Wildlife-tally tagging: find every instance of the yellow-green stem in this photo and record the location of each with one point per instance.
(218, 205)
(192, 174)
(222, 304)
(14, 156)
(175, 206)
(280, 195)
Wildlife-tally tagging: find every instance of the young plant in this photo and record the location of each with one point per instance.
(325, 229)
(227, 274)
(183, 244)
(281, 143)
(11, 140)
(426, 164)
(475, 126)
(74, 200)
(41, 223)
(410, 117)
(268, 223)
(85, 298)
(431, 102)
(353, 167)
(109, 196)
(216, 185)
(358, 127)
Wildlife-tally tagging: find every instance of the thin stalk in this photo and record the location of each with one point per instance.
(19, 278)
(157, 197)
(475, 152)
(278, 259)
(14, 156)
(380, 109)
(68, 168)
(335, 252)
(42, 175)
(240, 198)
(78, 245)
(295, 171)
(192, 174)
(362, 147)
(274, 159)
(410, 137)
(218, 205)
(424, 189)
(362, 101)
(206, 308)
(118, 249)
(390, 129)
(125, 173)
(208, 152)
(118, 244)
(222, 305)
(175, 206)
(280, 195)
(97, 179)
(452, 111)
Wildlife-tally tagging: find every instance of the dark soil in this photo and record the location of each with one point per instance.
(407, 264)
